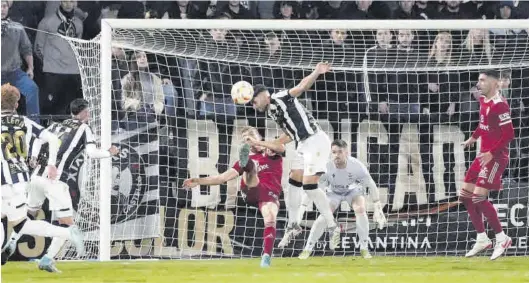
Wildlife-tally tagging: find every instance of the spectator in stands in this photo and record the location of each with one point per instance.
(362, 11)
(481, 9)
(186, 10)
(476, 49)
(62, 81)
(426, 9)
(131, 10)
(310, 10)
(142, 92)
(452, 10)
(441, 51)
(27, 13)
(406, 47)
(407, 10)
(287, 10)
(16, 44)
(235, 10)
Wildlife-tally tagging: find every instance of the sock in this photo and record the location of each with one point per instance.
(500, 236)
(362, 229)
(294, 203)
(14, 236)
(304, 203)
(318, 227)
(489, 211)
(473, 213)
(55, 247)
(45, 229)
(319, 198)
(269, 235)
(2, 235)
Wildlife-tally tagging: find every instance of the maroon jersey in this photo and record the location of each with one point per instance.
(495, 126)
(269, 171)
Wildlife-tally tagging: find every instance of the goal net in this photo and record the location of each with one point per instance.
(401, 93)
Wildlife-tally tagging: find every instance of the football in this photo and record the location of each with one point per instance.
(242, 92)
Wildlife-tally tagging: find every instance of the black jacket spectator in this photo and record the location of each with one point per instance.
(480, 9)
(407, 10)
(426, 9)
(235, 10)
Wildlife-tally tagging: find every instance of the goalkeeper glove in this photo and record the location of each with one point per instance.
(378, 215)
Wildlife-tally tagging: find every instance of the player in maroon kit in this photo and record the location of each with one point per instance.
(261, 171)
(496, 131)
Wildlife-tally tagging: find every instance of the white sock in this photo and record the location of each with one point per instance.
(304, 203)
(318, 227)
(294, 203)
(14, 236)
(319, 198)
(45, 229)
(362, 229)
(482, 236)
(55, 247)
(500, 236)
(2, 237)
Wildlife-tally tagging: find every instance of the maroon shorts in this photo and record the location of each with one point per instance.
(260, 194)
(488, 176)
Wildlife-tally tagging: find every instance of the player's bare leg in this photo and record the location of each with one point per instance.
(481, 201)
(269, 211)
(475, 215)
(294, 196)
(317, 230)
(362, 225)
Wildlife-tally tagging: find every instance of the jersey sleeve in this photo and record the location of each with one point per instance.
(34, 128)
(503, 116)
(237, 168)
(282, 95)
(89, 135)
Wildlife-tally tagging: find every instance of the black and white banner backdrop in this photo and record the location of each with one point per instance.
(417, 183)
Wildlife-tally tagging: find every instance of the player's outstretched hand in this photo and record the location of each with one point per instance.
(251, 140)
(190, 183)
(113, 150)
(323, 67)
(52, 172)
(469, 143)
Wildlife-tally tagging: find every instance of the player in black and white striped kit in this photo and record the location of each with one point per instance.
(312, 152)
(75, 136)
(15, 173)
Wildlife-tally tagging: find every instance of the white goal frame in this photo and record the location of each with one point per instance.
(106, 64)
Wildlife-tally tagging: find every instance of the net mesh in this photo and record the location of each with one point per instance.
(404, 100)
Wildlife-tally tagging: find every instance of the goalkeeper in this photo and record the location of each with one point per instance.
(346, 180)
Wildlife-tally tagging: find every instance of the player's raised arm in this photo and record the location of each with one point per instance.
(277, 145)
(230, 174)
(309, 80)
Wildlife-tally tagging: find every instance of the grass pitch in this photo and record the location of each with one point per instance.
(285, 270)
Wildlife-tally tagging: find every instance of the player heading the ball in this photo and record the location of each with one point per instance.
(347, 179)
(261, 170)
(496, 131)
(313, 147)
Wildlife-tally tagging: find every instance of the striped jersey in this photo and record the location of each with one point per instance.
(293, 118)
(73, 136)
(16, 132)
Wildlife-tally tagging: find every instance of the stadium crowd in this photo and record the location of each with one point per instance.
(149, 85)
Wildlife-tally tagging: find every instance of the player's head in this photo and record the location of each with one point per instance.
(254, 133)
(261, 98)
(489, 82)
(505, 78)
(68, 5)
(340, 152)
(10, 97)
(79, 109)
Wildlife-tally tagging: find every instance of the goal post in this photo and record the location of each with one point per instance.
(129, 209)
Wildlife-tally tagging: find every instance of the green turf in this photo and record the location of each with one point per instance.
(291, 270)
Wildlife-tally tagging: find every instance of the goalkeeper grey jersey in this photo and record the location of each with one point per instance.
(340, 181)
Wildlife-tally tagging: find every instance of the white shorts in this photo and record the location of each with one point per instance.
(315, 151)
(14, 201)
(336, 199)
(57, 193)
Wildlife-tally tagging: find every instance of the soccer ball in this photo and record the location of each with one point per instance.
(242, 92)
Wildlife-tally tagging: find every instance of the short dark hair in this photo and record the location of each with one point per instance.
(258, 89)
(78, 105)
(491, 73)
(339, 143)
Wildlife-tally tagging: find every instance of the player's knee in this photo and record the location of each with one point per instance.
(296, 175)
(295, 182)
(18, 227)
(270, 223)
